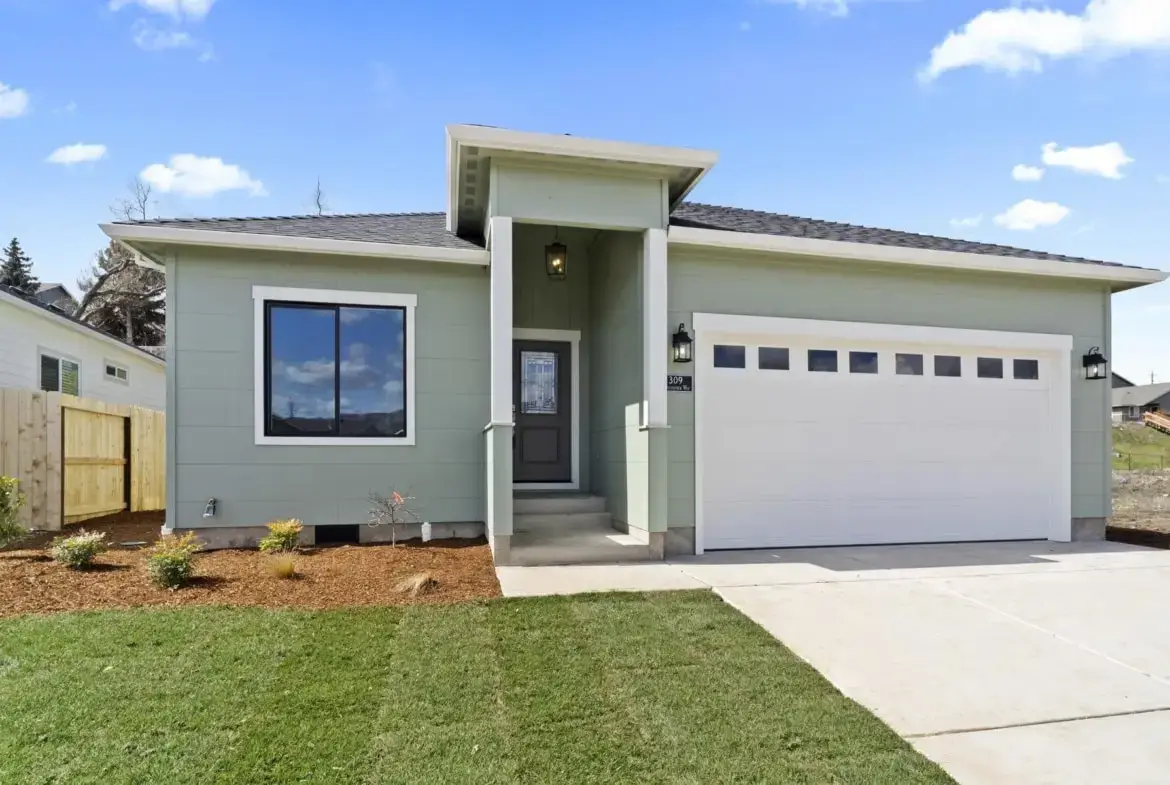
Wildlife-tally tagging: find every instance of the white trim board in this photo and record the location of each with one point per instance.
(1122, 277)
(710, 328)
(263, 294)
(573, 338)
(131, 233)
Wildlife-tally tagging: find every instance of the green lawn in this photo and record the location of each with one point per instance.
(1137, 447)
(657, 688)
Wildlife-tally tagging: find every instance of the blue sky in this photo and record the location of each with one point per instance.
(831, 109)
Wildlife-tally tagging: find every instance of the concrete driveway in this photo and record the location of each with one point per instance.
(1022, 663)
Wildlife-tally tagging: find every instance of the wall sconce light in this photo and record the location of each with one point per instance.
(681, 344)
(556, 260)
(1095, 364)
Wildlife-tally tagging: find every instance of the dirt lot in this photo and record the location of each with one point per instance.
(332, 577)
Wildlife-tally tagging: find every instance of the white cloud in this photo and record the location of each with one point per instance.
(193, 175)
(77, 153)
(833, 7)
(13, 101)
(1020, 39)
(1105, 160)
(1027, 174)
(153, 40)
(967, 223)
(178, 9)
(1031, 214)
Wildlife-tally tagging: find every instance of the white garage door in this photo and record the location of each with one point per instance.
(820, 433)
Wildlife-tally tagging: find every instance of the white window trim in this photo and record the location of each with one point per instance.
(43, 351)
(573, 338)
(106, 363)
(723, 328)
(264, 294)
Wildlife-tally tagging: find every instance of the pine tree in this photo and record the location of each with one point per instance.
(16, 270)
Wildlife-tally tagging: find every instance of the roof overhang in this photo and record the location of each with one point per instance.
(471, 148)
(140, 238)
(1119, 278)
(71, 324)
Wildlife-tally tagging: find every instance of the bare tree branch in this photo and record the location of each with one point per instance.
(136, 205)
(320, 204)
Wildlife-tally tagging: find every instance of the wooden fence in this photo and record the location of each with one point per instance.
(77, 458)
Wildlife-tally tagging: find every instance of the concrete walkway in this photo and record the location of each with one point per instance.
(1022, 663)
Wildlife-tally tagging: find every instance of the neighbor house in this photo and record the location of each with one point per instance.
(44, 348)
(57, 295)
(1120, 381)
(572, 347)
(1130, 403)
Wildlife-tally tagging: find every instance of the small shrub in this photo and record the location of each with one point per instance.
(419, 583)
(282, 536)
(283, 567)
(169, 563)
(11, 500)
(78, 550)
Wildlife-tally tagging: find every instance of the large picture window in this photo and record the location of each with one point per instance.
(335, 372)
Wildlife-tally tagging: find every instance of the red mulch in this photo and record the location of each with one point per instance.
(330, 577)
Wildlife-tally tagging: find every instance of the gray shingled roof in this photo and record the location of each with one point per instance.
(736, 219)
(430, 229)
(1139, 395)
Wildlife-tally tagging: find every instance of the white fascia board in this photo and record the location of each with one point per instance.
(88, 332)
(131, 233)
(1122, 277)
(578, 147)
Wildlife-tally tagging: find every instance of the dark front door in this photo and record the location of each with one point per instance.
(541, 395)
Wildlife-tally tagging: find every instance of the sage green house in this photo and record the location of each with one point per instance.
(578, 363)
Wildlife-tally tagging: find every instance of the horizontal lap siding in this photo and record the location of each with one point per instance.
(214, 451)
(724, 282)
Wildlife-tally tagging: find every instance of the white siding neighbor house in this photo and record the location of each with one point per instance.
(42, 348)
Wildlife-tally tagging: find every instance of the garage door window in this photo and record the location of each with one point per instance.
(1026, 369)
(822, 360)
(773, 359)
(990, 368)
(863, 362)
(909, 364)
(948, 365)
(730, 357)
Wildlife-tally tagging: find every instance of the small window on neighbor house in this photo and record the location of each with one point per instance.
(773, 359)
(908, 364)
(948, 365)
(730, 356)
(60, 375)
(117, 373)
(822, 360)
(863, 362)
(1026, 369)
(989, 367)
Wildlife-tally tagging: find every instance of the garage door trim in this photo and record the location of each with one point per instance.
(1058, 348)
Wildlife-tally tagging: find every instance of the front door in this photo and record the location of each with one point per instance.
(542, 401)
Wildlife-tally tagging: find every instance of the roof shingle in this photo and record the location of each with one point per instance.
(430, 229)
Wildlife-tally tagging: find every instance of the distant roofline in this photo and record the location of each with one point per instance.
(33, 305)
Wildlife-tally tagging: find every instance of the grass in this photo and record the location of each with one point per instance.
(1137, 447)
(650, 688)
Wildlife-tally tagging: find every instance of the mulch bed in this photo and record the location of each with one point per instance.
(328, 577)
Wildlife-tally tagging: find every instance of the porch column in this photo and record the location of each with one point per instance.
(654, 364)
(499, 429)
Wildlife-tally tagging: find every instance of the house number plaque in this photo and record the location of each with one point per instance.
(676, 383)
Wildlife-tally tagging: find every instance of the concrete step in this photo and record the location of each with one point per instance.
(561, 522)
(561, 503)
(591, 546)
